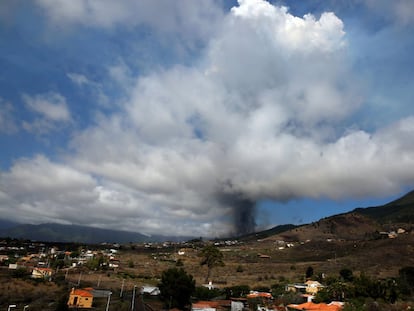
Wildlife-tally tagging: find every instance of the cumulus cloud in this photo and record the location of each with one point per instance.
(223, 134)
(266, 113)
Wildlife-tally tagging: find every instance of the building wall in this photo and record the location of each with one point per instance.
(80, 301)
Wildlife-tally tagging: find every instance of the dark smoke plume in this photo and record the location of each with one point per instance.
(244, 212)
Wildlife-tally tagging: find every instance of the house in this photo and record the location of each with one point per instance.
(264, 300)
(204, 306)
(216, 305)
(310, 306)
(312, 287)
(80, 298)
(150, 290)
(309, 287)
(238, 304)
(42, 273)
(255, 294)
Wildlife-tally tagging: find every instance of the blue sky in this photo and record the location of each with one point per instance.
(203, 117)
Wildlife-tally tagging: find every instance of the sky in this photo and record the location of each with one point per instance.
(203, 118)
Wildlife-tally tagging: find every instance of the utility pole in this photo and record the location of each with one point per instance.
(80, 276)
(109, 299)
(122, 288)
(133, 299)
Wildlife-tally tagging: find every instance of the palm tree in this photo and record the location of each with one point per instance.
(212, 257)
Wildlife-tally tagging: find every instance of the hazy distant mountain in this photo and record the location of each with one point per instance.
(6, 224)
(81, 234)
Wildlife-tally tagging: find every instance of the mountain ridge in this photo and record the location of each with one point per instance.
(52, 232)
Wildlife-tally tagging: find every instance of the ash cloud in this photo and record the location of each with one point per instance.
(243, 212)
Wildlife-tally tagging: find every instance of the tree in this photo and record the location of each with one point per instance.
(176, 288)
(204, 293)
(309, 272)
(237, 291)
(212, 257)
(346, 274)
(406, 280)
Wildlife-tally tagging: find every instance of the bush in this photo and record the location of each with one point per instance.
(176, 288)
(236, 291)
(21, 273)
(203, 293)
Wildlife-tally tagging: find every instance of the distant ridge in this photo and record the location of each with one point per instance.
(81, 234)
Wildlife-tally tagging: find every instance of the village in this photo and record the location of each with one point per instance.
(127, 277)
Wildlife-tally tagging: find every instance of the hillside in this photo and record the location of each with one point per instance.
(267, 233)
(398, 211)
(359, 224)
(349, 226)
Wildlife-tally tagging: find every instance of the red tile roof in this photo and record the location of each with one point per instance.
(82, 293)
(310, 306)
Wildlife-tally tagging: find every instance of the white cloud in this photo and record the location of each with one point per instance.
(79, 79)
(51, 106)
(188, 132)
(51, 111)
(187, 19)
(266, 113)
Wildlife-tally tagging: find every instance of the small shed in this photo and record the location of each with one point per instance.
(150, 290)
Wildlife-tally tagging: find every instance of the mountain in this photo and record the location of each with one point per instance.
(82, 234)
(359, 224)
(6, 224)
(398, 211)
(375, 241)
